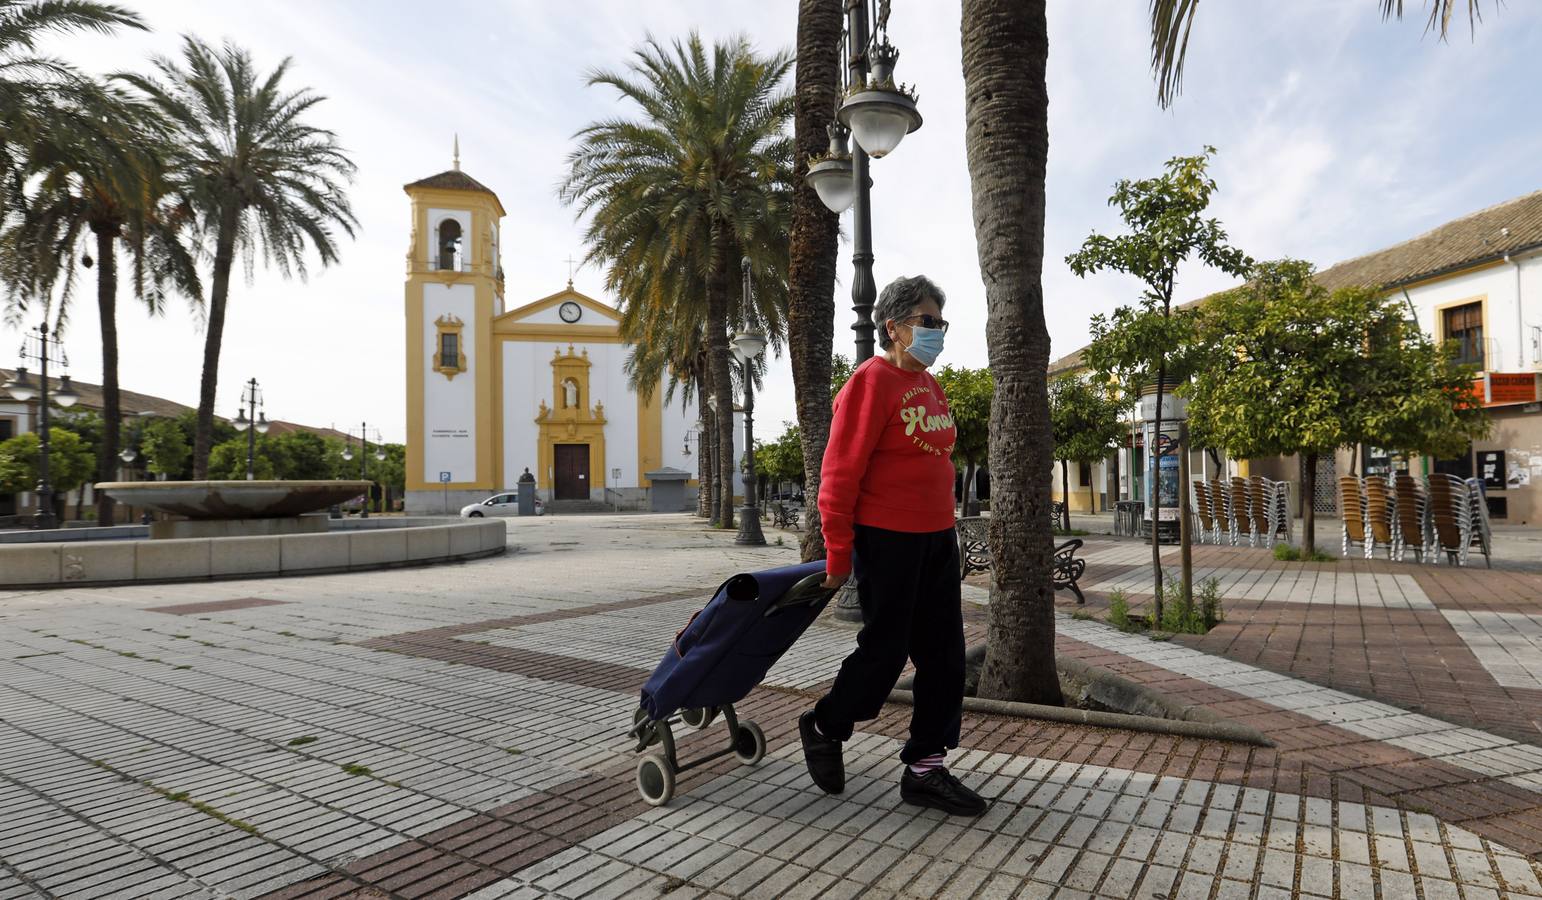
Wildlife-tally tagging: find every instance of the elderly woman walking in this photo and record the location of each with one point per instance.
(886, 504)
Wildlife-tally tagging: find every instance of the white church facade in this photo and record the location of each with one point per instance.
(494, 391)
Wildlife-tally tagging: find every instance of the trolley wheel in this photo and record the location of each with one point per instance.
(749, 743)
(696, 716)
(655, 780)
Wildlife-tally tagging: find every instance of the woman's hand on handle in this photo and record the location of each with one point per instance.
(834, 581)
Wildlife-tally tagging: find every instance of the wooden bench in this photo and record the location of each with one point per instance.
(974, 555)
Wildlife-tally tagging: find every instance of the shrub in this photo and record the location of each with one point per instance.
(1119, 611)
(1288, 553)
(1196, 614)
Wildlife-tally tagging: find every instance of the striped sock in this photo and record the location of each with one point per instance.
(926, 764)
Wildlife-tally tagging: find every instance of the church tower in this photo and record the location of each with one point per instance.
(454, 290)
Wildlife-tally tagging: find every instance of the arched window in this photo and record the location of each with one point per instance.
(449, 245)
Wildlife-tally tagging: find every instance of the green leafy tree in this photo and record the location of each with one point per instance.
(163, 444)
(679, 195)
(1167, 226)
(89, 427)
(70, 463)
(969, 393)
(1302, 371)
(782, 460)
(258, 178)
(227, 461)
(1087, 423)
(303, 456)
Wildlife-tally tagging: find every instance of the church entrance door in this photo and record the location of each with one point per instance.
(572, 464)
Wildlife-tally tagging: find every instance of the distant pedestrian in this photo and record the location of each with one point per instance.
(886, 507)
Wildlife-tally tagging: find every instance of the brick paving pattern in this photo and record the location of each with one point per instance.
(459, 731)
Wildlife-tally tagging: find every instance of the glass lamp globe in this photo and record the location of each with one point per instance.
(347, 454)
(241, 422)
(750, 344)
(879, 120)
(127, 455)
(834, 182)
(21, 387)
(380, 454)
(262, 423)
(65, 396)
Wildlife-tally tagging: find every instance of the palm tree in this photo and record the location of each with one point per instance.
(811, 272)
(1005, 45)
(258, 177)
(680, 194)
(31, 85)
(98, 182)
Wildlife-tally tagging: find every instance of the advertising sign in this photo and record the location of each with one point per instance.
(1162, 472)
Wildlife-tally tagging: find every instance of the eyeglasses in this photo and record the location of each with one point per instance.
(928, 321)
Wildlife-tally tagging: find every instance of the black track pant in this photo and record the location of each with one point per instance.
(909, 588)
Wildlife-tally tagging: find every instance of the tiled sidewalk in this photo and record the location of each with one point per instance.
(458, 732)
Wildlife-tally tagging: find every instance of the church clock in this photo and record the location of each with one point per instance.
(570, 312)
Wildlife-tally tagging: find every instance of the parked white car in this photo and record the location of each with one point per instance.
(499, 505)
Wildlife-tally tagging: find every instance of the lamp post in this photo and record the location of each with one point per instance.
(252, 420)
(380, 454)
(747, 347)
(42, 348)
(877, 112)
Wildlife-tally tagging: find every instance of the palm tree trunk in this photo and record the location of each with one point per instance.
(722, 378)
(811, 274)
(1006, 114)
(107, 311)
(224, 258)
(703, 452)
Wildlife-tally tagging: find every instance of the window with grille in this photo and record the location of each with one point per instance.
(1463, 326)
(449, 350)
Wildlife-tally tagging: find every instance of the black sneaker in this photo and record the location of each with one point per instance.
(823, 756)
(938, 789)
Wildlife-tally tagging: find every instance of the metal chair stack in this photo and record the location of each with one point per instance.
(1282, 524)
(1202, 513)
(1450, 511)
(1220, 510)
(1352, 512)
(1480, 534)
(1241, 515)
(1412, 523)
(1258, 510)
(1380, 515)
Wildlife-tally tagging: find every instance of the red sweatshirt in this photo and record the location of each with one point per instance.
(889, 461)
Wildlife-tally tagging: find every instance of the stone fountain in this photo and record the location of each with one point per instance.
(235, 508)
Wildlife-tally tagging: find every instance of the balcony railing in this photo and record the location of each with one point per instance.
(442, 264)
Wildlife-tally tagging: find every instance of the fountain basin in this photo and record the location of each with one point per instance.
(212, 500)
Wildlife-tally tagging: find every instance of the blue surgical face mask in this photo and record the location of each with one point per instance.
(925, 344)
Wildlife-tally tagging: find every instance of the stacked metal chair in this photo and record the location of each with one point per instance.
(1220, 510)
(1282, 525)
(1480, 534)
(1380, 515)
(1450, 512)
(1412, 524)
(1258, 510)
(1352, 512)
(1241, 514)
(1202, 514)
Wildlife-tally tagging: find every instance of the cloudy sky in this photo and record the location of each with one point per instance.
(1337, 134)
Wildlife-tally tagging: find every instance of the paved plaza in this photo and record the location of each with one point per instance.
(459, 731)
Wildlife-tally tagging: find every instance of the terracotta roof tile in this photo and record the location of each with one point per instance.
(452, 180)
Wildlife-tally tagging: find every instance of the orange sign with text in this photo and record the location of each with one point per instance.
(1506, 387)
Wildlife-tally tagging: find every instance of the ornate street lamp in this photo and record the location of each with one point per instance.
(254, 422)
(380, 454)
(43, 348)
(747, 347)
(878, 112)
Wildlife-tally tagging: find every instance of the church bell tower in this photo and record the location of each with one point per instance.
(454, 289)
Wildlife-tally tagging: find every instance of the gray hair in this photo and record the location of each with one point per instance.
(900, 300)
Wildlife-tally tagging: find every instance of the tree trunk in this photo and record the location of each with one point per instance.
(224, 258)
(106, 306)
(703, 451)
(971, 472)
(1308, 508)
(722, 377)
(1006, 114)
(1092, 493)
(1185, 514)
(811, 273)
(1065, 495)
(1154, 453)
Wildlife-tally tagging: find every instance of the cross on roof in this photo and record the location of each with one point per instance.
(572, 267)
